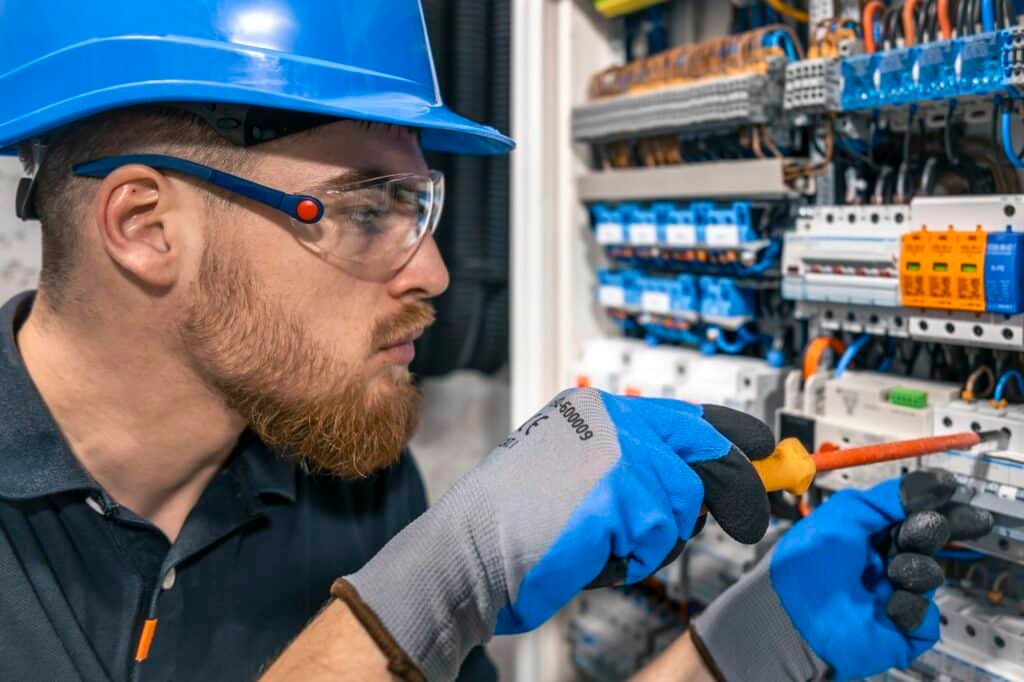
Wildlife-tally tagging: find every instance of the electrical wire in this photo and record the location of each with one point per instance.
(909, 23)
(962, 13)
(997, 398)
(788, 10)
(945, 20)
(816, 351)
(959, 555)
(880, 195)
(1009, 13)
(1008, 147)
(868, 18)
(851, 352)
(988, 15)
(891, 23)
(947, 135)
(970, 391)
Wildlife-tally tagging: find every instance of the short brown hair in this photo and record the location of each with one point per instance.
(60, 195)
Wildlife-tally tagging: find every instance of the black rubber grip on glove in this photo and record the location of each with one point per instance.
(932, 521)
(733, 491)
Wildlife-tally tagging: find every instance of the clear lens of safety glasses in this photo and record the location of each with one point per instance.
(373, 228)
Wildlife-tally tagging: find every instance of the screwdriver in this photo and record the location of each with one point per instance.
(791, 468)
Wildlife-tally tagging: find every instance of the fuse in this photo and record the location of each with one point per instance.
(1004, 268)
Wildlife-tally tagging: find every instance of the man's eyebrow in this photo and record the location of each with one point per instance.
(350, 177)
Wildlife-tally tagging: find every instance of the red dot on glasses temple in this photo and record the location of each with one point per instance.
(307, 210)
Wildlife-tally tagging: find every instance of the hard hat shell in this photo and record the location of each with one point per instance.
(63, 60)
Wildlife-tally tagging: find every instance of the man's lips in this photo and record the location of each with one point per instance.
(409, 337)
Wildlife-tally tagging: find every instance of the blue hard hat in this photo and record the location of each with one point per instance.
(63, 60)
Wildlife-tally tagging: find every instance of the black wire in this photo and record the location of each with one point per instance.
(889, 27)
(921, 20)
(1009, 13)
(961, 17)
(911, 115)
(930, 175)
(975, 15)
(947, 135)
(933, 20)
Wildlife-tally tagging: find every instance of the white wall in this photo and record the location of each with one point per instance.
(19, 241)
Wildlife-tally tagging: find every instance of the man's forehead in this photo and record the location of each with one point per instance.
(344, 151)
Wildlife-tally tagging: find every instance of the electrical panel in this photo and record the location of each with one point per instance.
(812, 212)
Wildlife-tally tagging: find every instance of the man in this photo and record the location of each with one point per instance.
(207, 399)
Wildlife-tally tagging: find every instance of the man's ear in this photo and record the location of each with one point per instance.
(132, 206)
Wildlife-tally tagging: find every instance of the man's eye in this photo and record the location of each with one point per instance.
(368, 219)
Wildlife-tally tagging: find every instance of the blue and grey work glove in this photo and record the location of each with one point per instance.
(846, 592)
(589, 478)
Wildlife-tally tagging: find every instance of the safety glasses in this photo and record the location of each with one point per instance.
(370, 228)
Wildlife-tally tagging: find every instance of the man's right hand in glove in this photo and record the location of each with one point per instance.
(590, 478)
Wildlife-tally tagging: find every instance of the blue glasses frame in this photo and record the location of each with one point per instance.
(300, 207)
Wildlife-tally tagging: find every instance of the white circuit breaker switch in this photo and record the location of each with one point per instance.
(603, 363)
(742, 383)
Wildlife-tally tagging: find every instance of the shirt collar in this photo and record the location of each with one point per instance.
(35, 459)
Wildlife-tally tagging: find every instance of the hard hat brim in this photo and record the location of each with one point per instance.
(170, 70)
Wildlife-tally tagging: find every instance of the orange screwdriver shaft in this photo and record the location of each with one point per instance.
(887, 452)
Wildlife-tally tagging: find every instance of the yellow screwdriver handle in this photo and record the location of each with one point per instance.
(790, 468)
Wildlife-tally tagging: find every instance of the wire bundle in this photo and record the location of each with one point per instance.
(748, 52)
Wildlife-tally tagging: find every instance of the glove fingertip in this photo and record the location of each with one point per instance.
(915, 572)
(907, 610)
(749, 434)
(926, 489)
(968, 523)
(923, 532)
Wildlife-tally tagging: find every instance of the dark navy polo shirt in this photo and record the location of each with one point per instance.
(80, 576)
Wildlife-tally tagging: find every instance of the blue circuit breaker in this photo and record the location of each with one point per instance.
(895, 79)
(685, 295)
(935, 69)
(729, 226)
(720, 297)
(618, 289)
(1004, 268)
(668, 295)
(607, 224)
(981, 68)
(642, 227)
(679, 228)
(859, 88)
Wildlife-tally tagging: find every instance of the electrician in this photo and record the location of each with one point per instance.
(205, 403)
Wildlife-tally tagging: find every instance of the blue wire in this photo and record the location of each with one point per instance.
(1008, 149)
(743, 339)
(783, 40)
(959, 555)
(988, 15)
(890, 351)
(768, 259)
(1004, 380)
(851, 353)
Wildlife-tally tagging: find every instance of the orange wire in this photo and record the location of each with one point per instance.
(812, 356)
(945, 23)
(909, 25)
(869, 23)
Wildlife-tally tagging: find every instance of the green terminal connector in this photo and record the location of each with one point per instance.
(908, 397)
